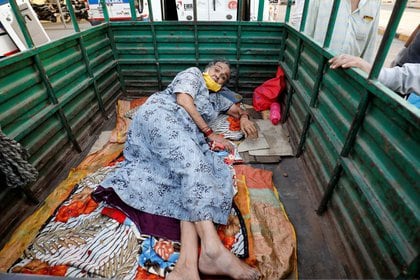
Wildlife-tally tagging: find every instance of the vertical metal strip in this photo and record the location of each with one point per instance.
(288, 8)
(54, 100)
(288, 104)
(319, 74)
(283, 43)
(312, 102)
(21, 23)
(150, 10)
(356, 123)
(238, 54)
(86, 58)
(196, 46)
(92, 76)
(338, 169)
(260, 10)
(387, 39)
(155, 47)
(132, 10)
(304, 16)
(105, 10)
(296, 64)
(113, 46)
(72, 16)
(331, 23)
(238, 44)
(195, 10)
(374, 73)
(305, 128)
(281, 58)
(116, 58)
(299, 45)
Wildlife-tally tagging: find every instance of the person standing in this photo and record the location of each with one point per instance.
(355, 29)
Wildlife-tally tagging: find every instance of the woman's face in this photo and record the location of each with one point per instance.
(220, 73)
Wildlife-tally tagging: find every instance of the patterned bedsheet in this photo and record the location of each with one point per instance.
(84, 238)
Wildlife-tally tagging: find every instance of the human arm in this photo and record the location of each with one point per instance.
(403, 80)
(186, 101)
(247, 126)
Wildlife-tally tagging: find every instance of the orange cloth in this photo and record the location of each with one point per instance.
(75, 209)
(272, 233)
(234, 124)
(41, 268)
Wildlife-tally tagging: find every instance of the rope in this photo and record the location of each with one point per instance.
(17, 171)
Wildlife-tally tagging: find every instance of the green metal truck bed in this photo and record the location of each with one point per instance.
(357, 142)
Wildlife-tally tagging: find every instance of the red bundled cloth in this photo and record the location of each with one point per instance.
(267, 93)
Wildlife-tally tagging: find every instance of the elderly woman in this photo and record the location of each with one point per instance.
(169, 169)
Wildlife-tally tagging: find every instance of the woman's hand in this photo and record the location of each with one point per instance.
(248, 128)
(219, 139)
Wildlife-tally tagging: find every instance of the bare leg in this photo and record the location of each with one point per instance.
(186, 266)
(215, 259)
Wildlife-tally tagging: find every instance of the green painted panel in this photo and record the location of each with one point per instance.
(383, 233)
(297, 113)
(22, 126)
(387, 156)
(344, 86)
(60, 58)
(18, 81)
(350, 204)
(56, 134)
(335, 115)
(76, 110)
(375, 203)
(96, 44)
(326, 156)
(41, 136)
(13, 109)
(69, 79)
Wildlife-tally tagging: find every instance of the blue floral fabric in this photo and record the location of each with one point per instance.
(169, 169)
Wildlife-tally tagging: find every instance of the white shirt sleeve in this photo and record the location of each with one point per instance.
(404, 80)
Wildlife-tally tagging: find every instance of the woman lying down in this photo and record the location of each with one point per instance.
(169, 169)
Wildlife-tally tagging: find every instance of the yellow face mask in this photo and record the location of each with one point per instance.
(210, 83)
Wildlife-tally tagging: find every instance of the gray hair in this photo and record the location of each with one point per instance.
(214, 61)
(221, 60)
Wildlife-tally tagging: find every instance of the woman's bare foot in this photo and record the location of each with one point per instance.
(220, 261)
(183, 272)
